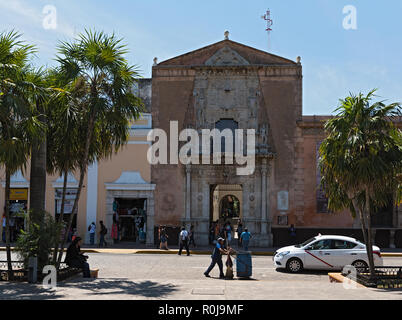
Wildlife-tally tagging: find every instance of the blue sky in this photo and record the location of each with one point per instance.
(335, 61)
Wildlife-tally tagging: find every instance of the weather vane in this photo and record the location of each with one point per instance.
(270, 22)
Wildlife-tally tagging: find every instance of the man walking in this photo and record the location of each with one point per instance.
(217, 258)
(239, 232)
(92, 230)
(245, 239)
(102, 234)
(183, 238)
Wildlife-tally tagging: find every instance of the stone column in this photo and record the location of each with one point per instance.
(150, 221)
(205, 200)
(245, 201)
(188, 195)
(265, 239)
(203, 225)
(264, 197)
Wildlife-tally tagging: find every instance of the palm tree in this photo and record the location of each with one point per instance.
(63, 134)
(361, 159)
(97, 62)
(17, 121)
(39, 95)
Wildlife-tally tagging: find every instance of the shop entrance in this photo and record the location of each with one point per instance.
(130, 214)
(18, 211)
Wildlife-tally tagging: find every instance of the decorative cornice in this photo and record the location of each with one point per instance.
(262, 70)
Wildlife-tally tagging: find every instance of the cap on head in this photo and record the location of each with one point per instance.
(221, 239)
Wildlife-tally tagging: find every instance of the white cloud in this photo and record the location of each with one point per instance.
(19, 8)
(22, 11)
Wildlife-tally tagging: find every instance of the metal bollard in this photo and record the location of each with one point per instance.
(32, 269)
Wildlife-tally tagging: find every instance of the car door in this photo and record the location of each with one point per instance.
(318, 255)
(343, 253)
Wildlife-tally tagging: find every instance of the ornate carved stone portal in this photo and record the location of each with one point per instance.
(227, 89)
(227, 85)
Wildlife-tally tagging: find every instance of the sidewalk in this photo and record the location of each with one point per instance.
(137, 248)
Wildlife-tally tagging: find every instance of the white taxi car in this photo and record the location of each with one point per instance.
(325, 252)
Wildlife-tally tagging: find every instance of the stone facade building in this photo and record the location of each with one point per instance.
(248, 89)
(226, 85)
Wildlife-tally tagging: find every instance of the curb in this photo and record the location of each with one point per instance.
(175, 251)
(154, 251)
(339, 278)
(391, 254)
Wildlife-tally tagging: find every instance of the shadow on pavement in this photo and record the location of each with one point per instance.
(95, 287)
(395, 290)
(26, 291)
(92, 287)
(311, 272)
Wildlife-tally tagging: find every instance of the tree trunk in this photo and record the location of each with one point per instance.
(38, 180)
(7, 212)
(84, 165)
(63, 198)
(369, 245)
(362, 219)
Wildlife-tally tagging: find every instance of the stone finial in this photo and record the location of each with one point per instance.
(155, 61)
(298, 60)
(226, 35)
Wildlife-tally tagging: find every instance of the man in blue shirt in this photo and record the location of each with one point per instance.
(245, 239)
(217, 258)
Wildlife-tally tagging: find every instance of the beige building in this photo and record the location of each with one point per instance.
(125, 177)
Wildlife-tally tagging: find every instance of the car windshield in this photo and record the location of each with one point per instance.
(305, 243)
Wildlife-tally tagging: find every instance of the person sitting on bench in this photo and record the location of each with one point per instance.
(75, 259)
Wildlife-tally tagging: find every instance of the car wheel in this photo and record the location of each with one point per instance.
(294, 265)
(360, 265)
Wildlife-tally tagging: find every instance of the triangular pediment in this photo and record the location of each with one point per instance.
(226, 52)
(226, 57)
(130, 180)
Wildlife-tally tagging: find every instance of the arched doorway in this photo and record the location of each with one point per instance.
(226, 203)
(226, 206)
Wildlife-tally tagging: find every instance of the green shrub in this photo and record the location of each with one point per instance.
(38, 240)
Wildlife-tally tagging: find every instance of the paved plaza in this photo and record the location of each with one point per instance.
(173, 277)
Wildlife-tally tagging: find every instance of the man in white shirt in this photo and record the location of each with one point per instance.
(92, 230)
(183, 239)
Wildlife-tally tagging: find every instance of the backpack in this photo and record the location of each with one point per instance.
(104, 230)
